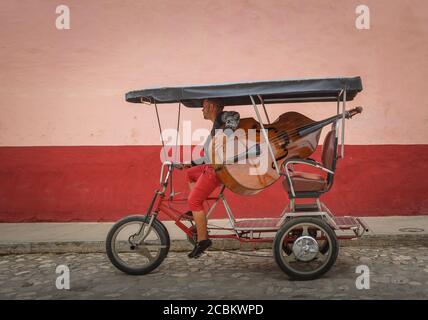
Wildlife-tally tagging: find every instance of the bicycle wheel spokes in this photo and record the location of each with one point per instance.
(136, 254)
(148, 247)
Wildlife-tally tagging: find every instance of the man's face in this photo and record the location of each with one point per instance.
(208, 109)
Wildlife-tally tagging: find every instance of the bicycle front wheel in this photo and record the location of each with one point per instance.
(135, 248)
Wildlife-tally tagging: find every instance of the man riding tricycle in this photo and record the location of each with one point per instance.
(246, 156)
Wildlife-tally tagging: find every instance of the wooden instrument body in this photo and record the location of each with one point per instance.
(285, 142)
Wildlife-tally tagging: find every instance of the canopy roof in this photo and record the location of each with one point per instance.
(234, 94)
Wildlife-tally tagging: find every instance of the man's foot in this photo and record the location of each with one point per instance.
(199, 248)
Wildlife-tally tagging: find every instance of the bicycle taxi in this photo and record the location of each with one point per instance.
(304, 236)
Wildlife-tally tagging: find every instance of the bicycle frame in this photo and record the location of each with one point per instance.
(162, 202)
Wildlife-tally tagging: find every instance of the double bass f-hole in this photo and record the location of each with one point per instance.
(282, 145)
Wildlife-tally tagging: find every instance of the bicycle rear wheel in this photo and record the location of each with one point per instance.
(305, 248)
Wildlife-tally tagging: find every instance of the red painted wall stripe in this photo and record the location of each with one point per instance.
(105, 183)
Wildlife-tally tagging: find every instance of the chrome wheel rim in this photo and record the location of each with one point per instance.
(301, 245)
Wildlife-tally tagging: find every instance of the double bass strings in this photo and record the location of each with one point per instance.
(295, 132)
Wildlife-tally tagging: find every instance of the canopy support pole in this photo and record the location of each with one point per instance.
(338, 101)
(160, 131)
(171, 187)
(265, 135)
(264, 108)
(178, 131)
(335, 125)
(342, 149)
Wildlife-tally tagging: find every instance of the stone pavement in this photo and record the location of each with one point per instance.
(396, 272)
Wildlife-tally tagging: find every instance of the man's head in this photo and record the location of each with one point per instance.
(211, 108)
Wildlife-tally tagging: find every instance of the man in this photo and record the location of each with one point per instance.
(201, 177)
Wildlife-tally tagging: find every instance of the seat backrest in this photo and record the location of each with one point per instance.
(329, 151)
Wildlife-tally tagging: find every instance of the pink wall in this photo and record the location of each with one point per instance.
(67, 87)
(66, 133)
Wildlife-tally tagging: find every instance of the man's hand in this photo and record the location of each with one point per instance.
(181, 166)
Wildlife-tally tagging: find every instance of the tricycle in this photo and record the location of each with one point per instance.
(304, 236)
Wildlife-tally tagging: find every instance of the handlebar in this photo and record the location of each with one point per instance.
(177, 165)
(171, 165)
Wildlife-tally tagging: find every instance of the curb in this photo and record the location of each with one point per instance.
(183, 245)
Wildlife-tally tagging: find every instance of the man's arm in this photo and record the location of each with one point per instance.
(197, 162)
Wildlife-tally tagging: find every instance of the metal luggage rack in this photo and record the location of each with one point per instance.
(344, 223)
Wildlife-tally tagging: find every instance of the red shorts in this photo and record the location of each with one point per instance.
(205, 181)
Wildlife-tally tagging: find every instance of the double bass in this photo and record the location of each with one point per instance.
(292, 135)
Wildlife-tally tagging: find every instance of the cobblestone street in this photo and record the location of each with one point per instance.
(395, 273)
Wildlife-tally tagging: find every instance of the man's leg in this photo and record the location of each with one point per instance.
(203, 187)
(192, 175)
(201, 224)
